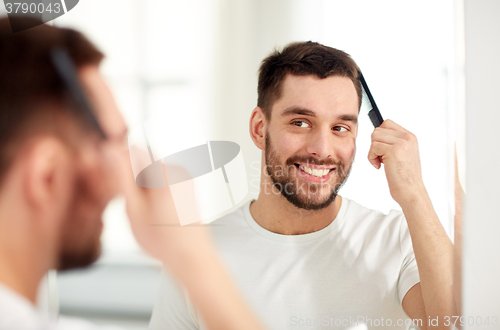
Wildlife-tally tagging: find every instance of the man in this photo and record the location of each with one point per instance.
(60, 166)
(304, 256)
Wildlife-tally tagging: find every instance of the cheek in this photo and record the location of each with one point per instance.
(103, 182)
(287, 150)
(110, 181)
(288, 145)
(97, 189)
(346, 151)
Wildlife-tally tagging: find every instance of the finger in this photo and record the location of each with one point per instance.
(388, 136)
(395, 130)
(377, 152)
(389, 124)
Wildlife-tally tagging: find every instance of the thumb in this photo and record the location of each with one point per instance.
(374, 159)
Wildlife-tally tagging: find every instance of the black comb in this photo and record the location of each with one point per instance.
(66, 70)
(374, 113)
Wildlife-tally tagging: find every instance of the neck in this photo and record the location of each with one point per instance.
(24, 259)
(275, 213)
(20, 275)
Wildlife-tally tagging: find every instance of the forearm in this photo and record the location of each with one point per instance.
(434, 255)
(212, 291)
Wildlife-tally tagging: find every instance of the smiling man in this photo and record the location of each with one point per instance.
(304, 256)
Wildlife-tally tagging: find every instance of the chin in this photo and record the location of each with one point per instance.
(310, 203)
(72, 258)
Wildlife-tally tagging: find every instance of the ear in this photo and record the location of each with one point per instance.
(47, 169)
(258, 128)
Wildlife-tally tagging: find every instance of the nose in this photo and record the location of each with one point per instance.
(319, 144)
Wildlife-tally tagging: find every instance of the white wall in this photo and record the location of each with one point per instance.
(481, 230)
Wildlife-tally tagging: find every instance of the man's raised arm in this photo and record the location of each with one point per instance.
(431, 300)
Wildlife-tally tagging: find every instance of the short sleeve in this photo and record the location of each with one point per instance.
(173, 309)
(408, 274)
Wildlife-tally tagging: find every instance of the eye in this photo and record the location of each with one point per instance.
(340, 129)
(300, 123)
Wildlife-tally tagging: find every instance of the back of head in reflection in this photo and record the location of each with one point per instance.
(54, 182)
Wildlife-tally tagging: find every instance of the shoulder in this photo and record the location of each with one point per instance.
(360, 213)
(366, 223)
(235, 218)
(232, 221)
(232, 226)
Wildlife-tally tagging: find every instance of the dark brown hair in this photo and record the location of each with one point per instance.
(301, 59)
(33, 99)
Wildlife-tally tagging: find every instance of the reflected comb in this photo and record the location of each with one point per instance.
(66, 70)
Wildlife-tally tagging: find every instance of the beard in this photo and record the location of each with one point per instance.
(307, 196)
(81, 230)
(79, 257)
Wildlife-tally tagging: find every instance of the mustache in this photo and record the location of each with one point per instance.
(308, 160)
(289, 167)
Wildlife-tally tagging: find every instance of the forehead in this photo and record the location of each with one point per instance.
(103, 103)
(322, 95)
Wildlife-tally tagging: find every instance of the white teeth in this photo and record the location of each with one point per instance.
(314, 172)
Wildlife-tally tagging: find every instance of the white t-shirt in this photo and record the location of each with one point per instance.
(18, 313)
(355, 271)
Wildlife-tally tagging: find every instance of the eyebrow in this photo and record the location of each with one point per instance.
(298, 111)
(351, 118)
(310, 113)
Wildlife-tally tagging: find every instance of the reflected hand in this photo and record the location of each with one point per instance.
(154, 220)
(186, 251)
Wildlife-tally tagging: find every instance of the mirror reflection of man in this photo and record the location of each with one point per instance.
(303, 255)
(57, 174)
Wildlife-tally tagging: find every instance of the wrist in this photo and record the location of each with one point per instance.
(413, 196)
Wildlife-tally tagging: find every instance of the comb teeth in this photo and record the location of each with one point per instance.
(373, 112)
(365, 101)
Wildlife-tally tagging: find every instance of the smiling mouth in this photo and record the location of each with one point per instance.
(318, 173)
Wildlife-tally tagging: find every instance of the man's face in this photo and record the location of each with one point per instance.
(95, 182)
(311, 139)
